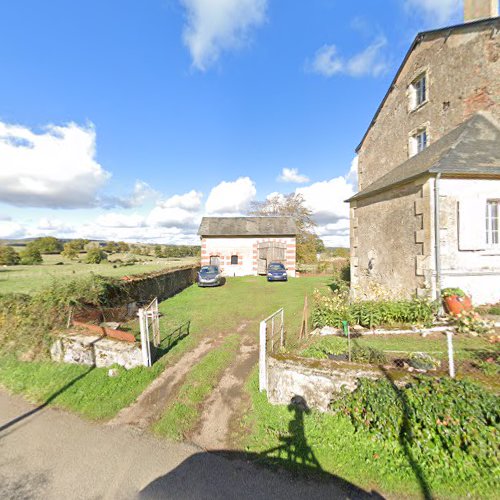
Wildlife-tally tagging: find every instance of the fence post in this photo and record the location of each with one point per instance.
(146, 360)
(282, 330)
(262, 357)
(451, 363)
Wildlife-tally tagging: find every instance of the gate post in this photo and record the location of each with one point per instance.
(146, 355)
(262, 357)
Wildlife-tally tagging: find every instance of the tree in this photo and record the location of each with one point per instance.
(123, 247)
(46, 244)
(293, 205)
(95, 256)
(31, 256)
(91, 245)
(8, 256)
(111, 247)
(158, 251)
(69, 251)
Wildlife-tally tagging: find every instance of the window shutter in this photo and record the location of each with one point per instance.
(471, 223)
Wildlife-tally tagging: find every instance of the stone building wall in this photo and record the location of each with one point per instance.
(392, 242)
(463, 72)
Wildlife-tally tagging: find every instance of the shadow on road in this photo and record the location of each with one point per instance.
(233, 474)
(51, 398)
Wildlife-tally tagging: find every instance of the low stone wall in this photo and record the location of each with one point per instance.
(95, 350)
(163, 284)
(317, 381)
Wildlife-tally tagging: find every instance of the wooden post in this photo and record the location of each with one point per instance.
(262, 357)
(451, 362)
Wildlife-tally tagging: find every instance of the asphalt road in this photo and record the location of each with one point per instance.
(47, 453)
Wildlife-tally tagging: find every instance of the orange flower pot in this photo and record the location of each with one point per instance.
(455, 304)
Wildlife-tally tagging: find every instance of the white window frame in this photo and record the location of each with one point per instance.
(492, 223)
(413, 147)
(413, 91)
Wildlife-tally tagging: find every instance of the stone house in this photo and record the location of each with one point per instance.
(244, 246)
(426, 215)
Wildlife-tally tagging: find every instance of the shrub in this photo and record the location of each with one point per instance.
(47, 244)
(31, 256)
(95, 256)
(472, 322)
(70, 251)
(8, 256)
(333, 309)
(494, 310)
(448, 426)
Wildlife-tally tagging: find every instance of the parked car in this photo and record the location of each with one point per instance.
(276, 271)
(209, 276)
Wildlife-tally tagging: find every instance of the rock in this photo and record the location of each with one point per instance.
(113, 372)
(329, 330)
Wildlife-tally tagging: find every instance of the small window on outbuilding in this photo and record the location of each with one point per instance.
(418, 92)
(234, 260)
(492, 222)
(418, 142)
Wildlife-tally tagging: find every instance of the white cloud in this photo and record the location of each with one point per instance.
(9, 229)
(189, 201)
(292, 175)
(46, 225)
(120, 220)
(172, 217)
(436, 11)
(214, 26)
(55, 168)
(231, 198)
(369, 62)
(352, 176)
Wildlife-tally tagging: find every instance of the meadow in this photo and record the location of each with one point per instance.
(28, 279)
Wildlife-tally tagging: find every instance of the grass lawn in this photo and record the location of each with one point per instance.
(280, 436)
(27, 279)
(209, 310)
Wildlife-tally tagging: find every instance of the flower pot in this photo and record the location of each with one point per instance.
(455, 304)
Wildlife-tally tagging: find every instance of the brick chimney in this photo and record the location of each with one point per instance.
(480, 9)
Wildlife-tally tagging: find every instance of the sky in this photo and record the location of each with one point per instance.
(130, 120)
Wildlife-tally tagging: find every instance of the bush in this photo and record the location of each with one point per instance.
(332, 310)
(47, 244)
(8, 256)
(95, 256)
(448, 426)
(31, 256)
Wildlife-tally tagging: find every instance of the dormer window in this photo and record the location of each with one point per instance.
(418, 141)
(418, 92)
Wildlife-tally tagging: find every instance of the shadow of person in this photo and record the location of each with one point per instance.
(228, 474)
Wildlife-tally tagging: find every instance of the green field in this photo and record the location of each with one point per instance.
(28, 279)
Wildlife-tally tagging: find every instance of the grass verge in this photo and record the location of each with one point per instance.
(183, 414)
(341, 451)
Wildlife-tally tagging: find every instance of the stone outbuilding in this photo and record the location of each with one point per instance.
(244, 246)
(427, 212)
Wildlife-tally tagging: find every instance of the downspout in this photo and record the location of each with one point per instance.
(437, 241)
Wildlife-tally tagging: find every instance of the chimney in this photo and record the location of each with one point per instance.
(480, 9)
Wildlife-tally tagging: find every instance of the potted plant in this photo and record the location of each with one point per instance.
(455, 300)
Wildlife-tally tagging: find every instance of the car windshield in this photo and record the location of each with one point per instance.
(276, 267)
(209, 269)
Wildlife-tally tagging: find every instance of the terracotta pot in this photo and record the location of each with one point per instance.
(455, 304)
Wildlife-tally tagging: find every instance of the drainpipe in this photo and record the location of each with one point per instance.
(437, 236)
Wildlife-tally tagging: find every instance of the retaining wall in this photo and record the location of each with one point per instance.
(317, 381)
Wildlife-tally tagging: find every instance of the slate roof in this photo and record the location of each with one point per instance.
(493, 22)
(247, 226)
(471, 148)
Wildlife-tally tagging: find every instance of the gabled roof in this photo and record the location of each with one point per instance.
(247, 226)
(472, 148)
(481, 23)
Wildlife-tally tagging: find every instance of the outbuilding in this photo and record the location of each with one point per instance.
(244, 246)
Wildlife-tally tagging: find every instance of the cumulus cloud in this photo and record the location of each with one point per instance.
(369, 62)
(352, 176)
(46, 225)
(142, 193)
(231, 198)
(115, 220)
(216, 26)
(189, 201)
(10, 229)
(292, 175)
(436, 11)
(172, 217)
(55, 168)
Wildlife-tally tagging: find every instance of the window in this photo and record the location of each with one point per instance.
(492, 225)
(418, 142)
(234, 260)
(418, 92)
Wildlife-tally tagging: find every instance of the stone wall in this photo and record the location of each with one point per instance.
(317, 381)
(163, 284)
(463, 74)
(95, 350)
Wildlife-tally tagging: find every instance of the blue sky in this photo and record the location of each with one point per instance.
(131, 119)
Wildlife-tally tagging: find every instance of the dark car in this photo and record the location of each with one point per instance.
(209, 276)
(276, 271)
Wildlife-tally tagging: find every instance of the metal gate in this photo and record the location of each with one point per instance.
(270, 251)
(149, 321)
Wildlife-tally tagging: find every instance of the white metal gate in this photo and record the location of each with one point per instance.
(149, 321)
(272, 338)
